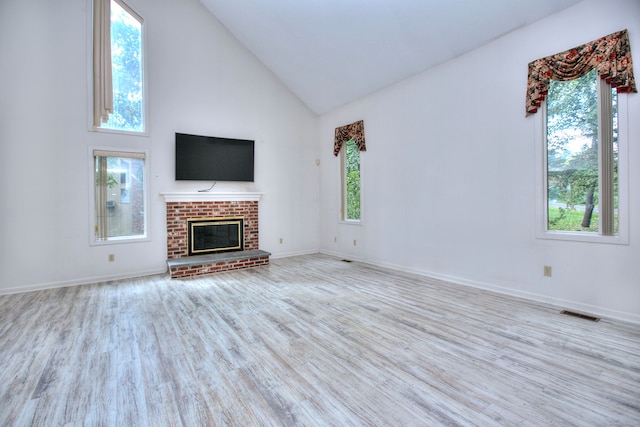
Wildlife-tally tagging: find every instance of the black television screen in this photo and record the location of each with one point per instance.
(208, 158)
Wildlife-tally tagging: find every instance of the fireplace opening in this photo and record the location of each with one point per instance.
(214, 235)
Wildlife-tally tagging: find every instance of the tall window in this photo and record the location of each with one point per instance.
(582, 156)
(120, 211)
(349, 141)
(350, 181)
(583, 163)
(118, 71)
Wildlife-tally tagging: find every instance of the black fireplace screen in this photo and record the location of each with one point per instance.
(212, 235)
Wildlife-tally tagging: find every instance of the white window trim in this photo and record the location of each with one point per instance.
(343, 190)
(92, 194)
(145, 81)
(623, 183)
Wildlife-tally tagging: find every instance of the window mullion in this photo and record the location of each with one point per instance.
(606, 164)
(101, 227)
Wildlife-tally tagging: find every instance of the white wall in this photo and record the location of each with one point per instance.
(200, 80)
(449, 177)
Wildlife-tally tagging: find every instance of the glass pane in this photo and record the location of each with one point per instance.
(352, 184)
(572, 155)
(120, 206)
(126, 57)
(614, 106)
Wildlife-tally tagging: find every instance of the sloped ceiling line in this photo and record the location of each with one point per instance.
(333, 52)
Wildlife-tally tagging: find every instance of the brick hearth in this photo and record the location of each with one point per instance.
(200, 265)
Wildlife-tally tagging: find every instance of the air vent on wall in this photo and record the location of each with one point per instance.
(580, 315)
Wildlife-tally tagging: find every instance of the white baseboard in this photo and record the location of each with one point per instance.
(292, 254)
(350, 258)
(77, 282)
(99, 279)
(544, 299)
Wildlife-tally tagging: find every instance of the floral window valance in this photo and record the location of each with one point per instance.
(353, 131)
(609, 55)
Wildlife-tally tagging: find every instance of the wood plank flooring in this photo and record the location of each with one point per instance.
(308, 341)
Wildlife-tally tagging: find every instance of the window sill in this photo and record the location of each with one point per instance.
(120, 132)
(350, 222)
(120, 240)
(583, 237)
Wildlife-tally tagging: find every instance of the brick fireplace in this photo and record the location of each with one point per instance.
(183, 207)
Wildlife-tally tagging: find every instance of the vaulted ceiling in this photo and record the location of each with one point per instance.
(332, 52)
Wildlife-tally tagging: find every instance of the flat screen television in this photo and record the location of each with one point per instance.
(209, 158)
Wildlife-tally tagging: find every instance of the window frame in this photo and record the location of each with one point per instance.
(542, 231)
(343, 185)
(145, 85)
(93, 241)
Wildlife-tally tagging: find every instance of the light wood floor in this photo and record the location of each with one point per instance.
(308, 341)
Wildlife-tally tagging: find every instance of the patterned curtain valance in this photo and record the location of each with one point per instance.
(345, 133)
(609, 55)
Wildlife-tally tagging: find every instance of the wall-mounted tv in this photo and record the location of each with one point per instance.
(208, 158)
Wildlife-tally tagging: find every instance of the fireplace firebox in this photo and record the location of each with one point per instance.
(215, 235)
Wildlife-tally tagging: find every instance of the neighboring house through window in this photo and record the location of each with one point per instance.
(120, 200)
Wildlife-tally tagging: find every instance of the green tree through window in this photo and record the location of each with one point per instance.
(573, 153)
(351, 181)
(126, 59)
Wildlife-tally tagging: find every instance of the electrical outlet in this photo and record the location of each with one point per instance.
(547, 271)
(281, 240)
(354, 243)
(112, 257)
